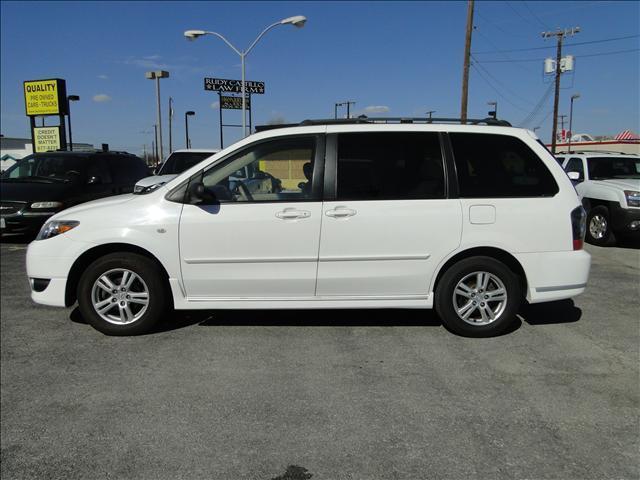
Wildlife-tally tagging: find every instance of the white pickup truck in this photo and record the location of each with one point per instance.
(609, 186)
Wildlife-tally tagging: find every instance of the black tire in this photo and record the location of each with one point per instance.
(147, 270)
(599, 215)
(444, 300)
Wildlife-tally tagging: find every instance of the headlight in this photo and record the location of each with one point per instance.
(633, 198)
(56, 227)
(48, 205)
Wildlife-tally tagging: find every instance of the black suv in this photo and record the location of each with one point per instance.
(42, 184)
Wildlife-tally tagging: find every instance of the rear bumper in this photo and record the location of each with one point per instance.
(555, 275)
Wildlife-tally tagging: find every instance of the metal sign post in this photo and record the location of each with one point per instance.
(231, 102)
(47, 98)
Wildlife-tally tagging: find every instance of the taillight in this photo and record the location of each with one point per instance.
(578, 227)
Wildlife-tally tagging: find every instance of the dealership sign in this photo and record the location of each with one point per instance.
(232, 86)
(46, 139)
(45, 97)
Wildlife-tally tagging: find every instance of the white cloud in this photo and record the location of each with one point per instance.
(101, 97)
(376, 109)
(103, 77)
(215, 105)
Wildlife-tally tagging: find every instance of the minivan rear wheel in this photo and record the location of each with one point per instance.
(122, 294)
(478, 297)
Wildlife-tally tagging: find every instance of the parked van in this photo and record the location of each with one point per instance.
(471, 220)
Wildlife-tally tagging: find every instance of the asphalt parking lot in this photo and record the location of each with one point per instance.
(325, 395)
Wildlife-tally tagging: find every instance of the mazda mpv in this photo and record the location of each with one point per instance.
(469, 219)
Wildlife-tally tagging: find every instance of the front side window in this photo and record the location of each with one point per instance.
(274, 171)
(57, 168)
(575, 165)
(390, 166)
(495, 166)
(601, 168)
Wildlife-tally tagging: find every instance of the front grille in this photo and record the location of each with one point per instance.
(11, 208)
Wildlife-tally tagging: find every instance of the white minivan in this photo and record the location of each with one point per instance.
(468, 219)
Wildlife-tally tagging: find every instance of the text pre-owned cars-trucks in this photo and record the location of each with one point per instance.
(468, 219)
(39, 185)
(609, 186)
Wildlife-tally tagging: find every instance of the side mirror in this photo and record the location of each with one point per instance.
(197, 192)
(94, 180)
(573, 176)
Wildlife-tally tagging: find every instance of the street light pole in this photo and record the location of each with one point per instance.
(170, 125)
(71, 98)
(494, 112)
(187, 142)
(573, 97)
(296, 21)
(157, 75)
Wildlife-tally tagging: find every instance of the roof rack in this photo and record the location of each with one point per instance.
(363, 119)
(574, 152)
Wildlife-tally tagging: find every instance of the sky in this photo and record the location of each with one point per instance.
(392, 58)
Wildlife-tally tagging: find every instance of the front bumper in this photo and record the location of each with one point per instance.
(625, 220)
(24, 224)
(52, 260)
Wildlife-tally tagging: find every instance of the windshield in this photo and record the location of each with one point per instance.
(178, 162)
(46, 169)
(613, 167)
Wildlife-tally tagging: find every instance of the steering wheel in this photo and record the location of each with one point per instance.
(244, 191)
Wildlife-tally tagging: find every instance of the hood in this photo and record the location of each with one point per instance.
(153, 180)
(95, 204)
(621, 183)
(34, 192)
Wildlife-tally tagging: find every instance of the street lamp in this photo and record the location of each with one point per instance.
(157, 75)
(186, 127)
(71, 98)
(573, 97)
(297, 21)
(494, 112)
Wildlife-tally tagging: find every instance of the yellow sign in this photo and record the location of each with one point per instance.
(45, 97)
(46, 139)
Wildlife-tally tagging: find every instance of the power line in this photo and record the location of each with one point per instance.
(498, 92)
(544, 25)
(574, 44)
(499, 82)
(534, 113)
(542, 59)
(519, 14)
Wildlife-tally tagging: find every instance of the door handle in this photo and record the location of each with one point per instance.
(340, 212)
(290, 214)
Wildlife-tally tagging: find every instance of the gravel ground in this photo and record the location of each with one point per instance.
(293, 395)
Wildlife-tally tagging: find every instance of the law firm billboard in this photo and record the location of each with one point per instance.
(45, 97)
(232, 86)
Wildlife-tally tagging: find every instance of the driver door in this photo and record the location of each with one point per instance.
(255, 235)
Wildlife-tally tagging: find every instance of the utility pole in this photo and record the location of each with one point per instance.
(335, 110)
(430, 113)
(562, 117)
(559, 34)
(348, 103)
(467, 61)
(170, 124)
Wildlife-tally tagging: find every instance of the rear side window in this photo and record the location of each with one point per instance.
(127, 169)
(495, 166)
(390, 166)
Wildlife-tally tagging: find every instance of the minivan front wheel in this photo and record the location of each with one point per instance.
(122, 294)
(478, 296)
